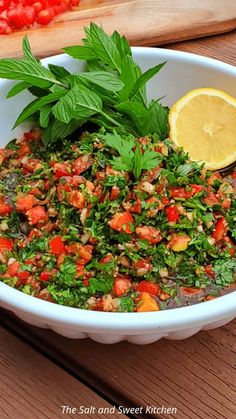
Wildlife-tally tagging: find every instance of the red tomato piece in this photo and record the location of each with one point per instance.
(61, 169)
(209, 271)
(13, 269)
(47, 275)
(172, 214)
(211, 199)
(136, 208)
(6, 245)
(122, 222)
(220, 229)
(150, 287)
(151, 234)
(85, 252)
(5, 29)
(45, 16)
(57, 246)
(23, 275)
(176, 192)
(115, 192)
(37, 215)
(190, 290)
(24, 203)
(81, 164)
(5, 208)
(121, 285)
(76, 199)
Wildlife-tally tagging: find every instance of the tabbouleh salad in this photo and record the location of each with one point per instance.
(77, 231)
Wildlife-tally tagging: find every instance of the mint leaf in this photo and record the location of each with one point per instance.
(130, 72)
(17, 88)
(27, 50)
(103, 79)
(145, 77)
(122, 45)
(137, 113)
(104, 45)
(37, 105)
(81, 52)
(44, 116)
(157, 121)
(25, 70)
(80, 102)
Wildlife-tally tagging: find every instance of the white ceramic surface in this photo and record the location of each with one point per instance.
(182, 73)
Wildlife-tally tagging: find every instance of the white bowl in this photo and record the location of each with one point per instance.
(182, 73)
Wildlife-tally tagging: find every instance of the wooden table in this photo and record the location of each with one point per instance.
(40, 371)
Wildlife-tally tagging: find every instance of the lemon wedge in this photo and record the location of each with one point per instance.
(203, 122)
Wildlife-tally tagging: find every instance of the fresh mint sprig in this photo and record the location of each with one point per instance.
(111, 93)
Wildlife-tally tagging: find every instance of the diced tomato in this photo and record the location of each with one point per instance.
(196, 189)
(47, 275)
(179, 242)
(6, 245)
(122, 285)
(24, 150)
(147, 286)
(24, 203)
(209, 271)
(106, 259)
(190, 290)
(176, 192)
(80, 270)
(81, 164)
(5, 29)
(31, 165)
(172, 214)
(214, 176)
(220, 229)
(142, 266)
(211, 199)
(151, 234)
(23, 275)
(61, 169)
(76, 199)
(123, 222)
(37, 215)
(115, 192)
(56, 245)
(45, 16)
(136, 208)
(226, 203)
(5, 208)
(85, 252)
(13, 269)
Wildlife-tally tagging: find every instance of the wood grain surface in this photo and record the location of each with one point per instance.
(32, 387)
(144, 22)
(197, 375)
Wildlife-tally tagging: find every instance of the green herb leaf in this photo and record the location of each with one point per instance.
(145, 77)
(37, 105)
(17, 88)
(80, 102)
(29, 71)
(103, 79)
(104, 46)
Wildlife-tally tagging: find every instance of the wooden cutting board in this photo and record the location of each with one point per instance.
(144, 22)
